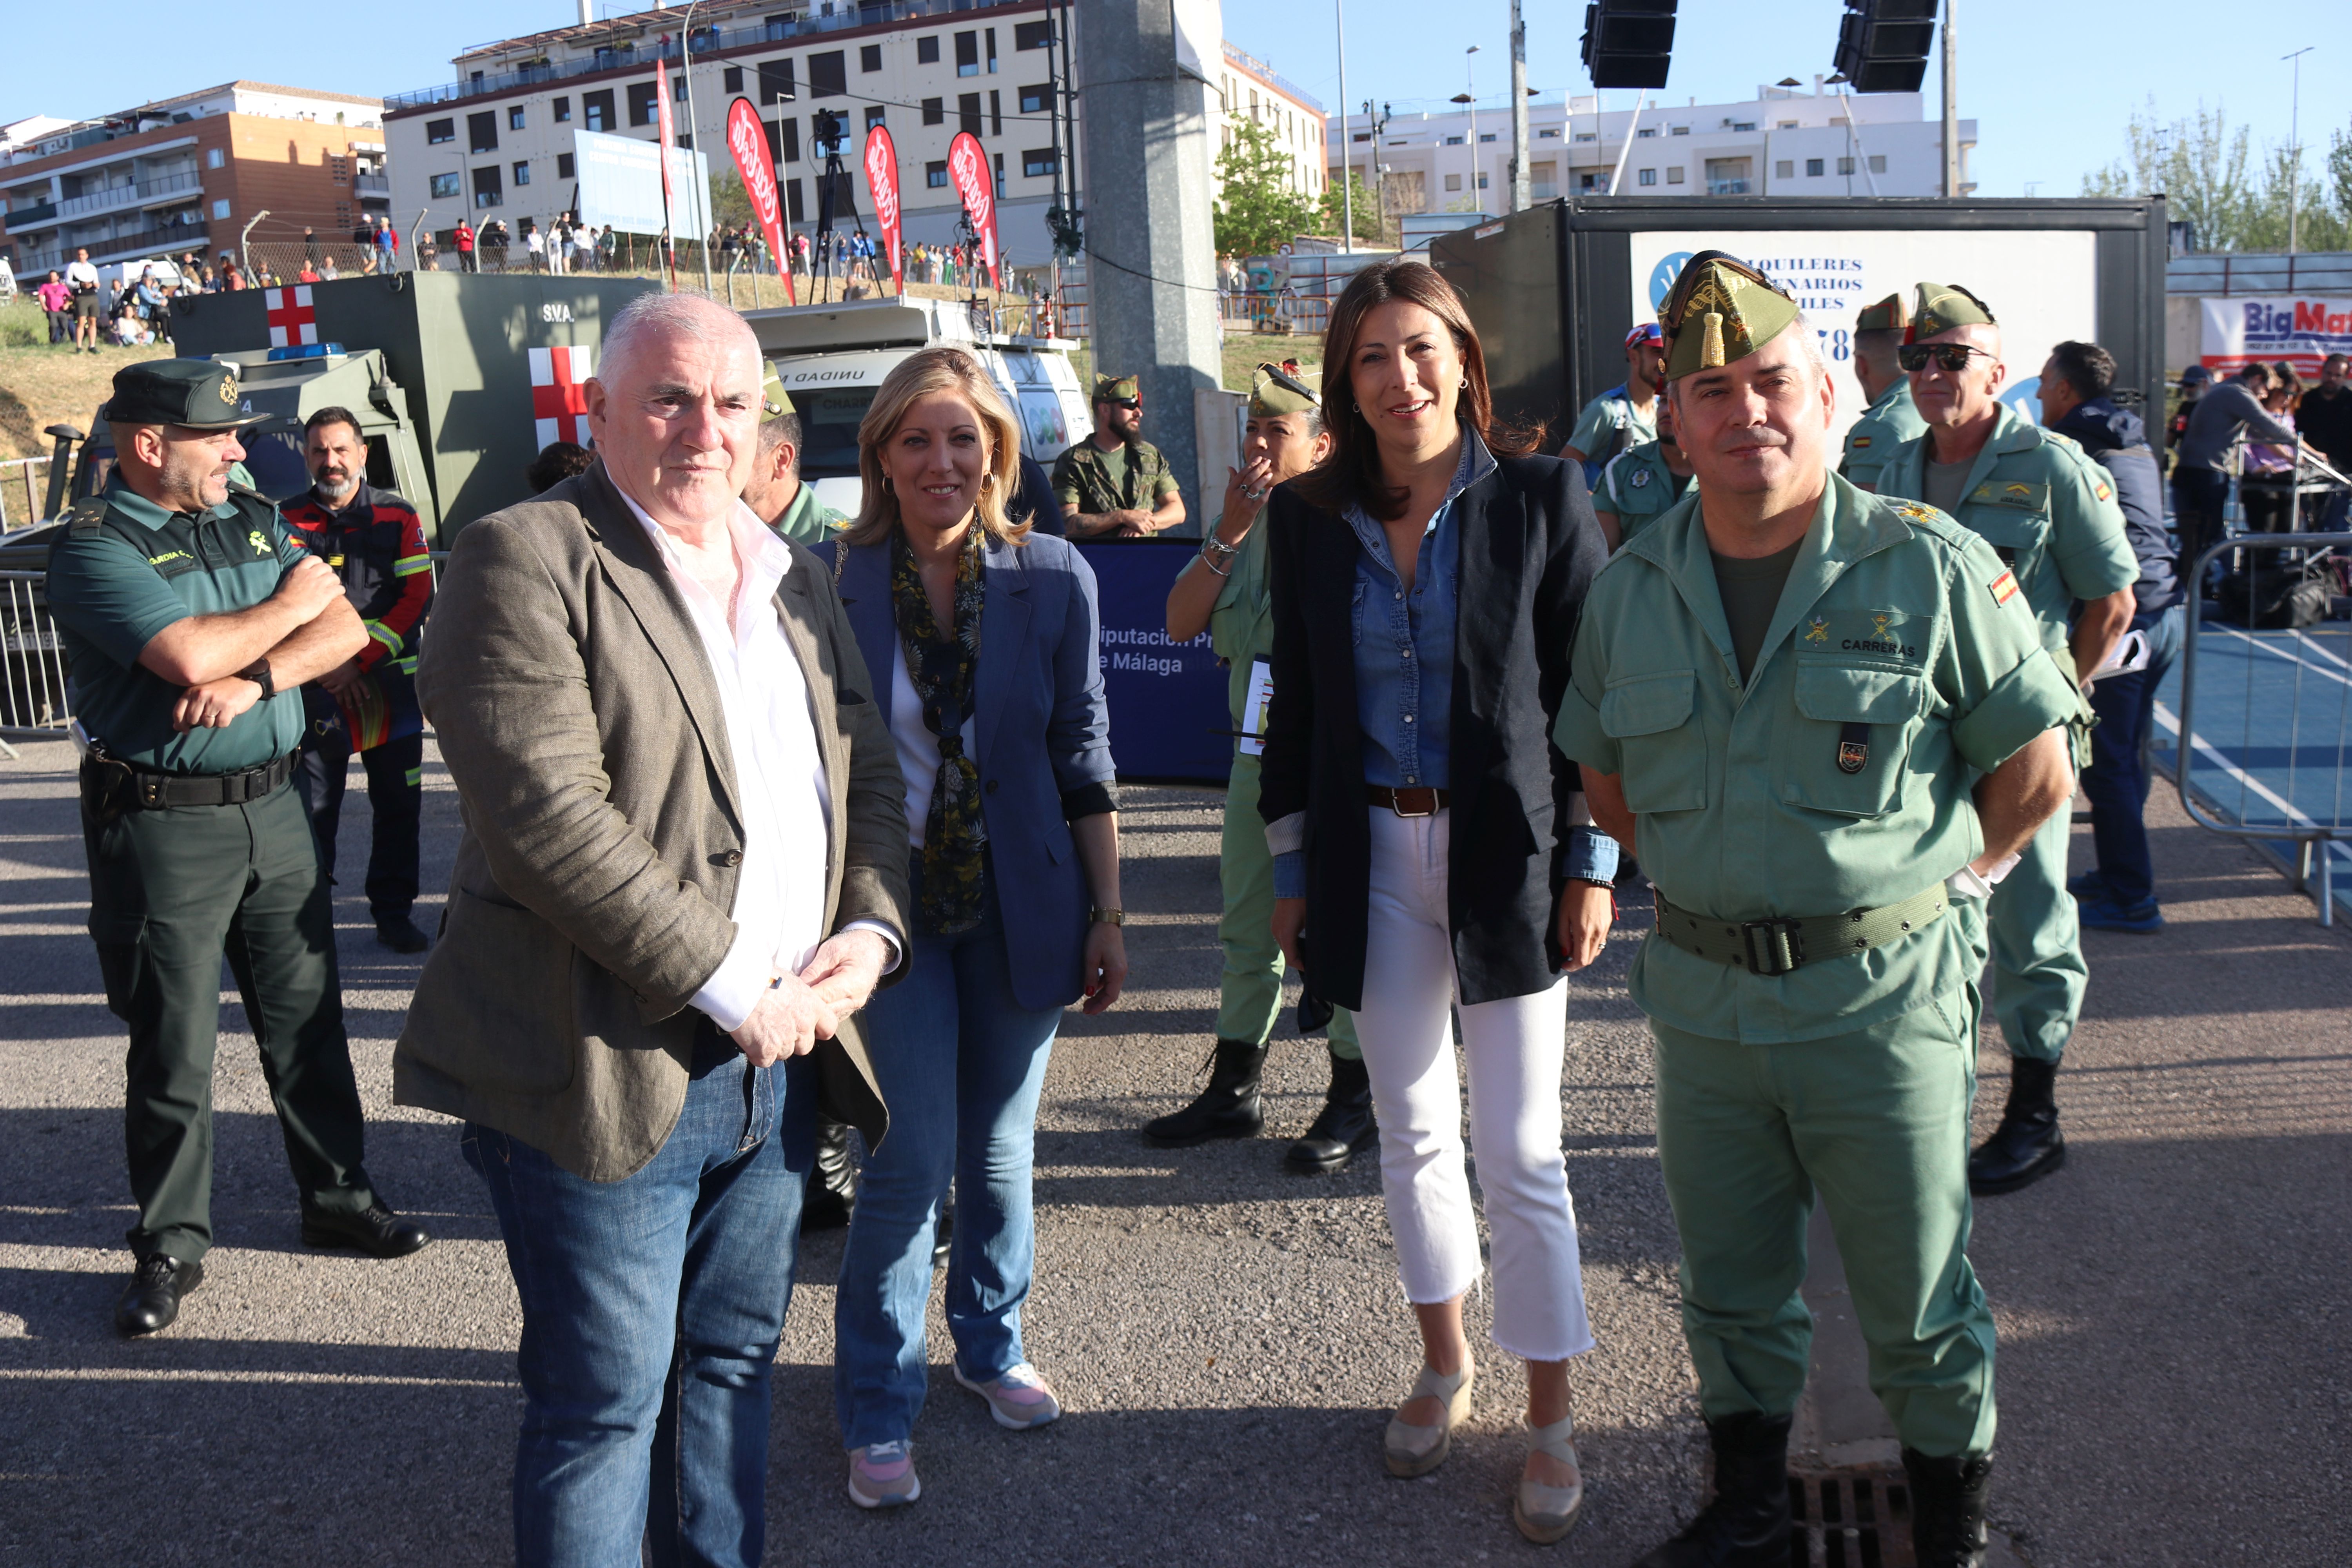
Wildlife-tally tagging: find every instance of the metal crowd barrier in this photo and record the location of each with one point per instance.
(32, 661)
(2299, 804)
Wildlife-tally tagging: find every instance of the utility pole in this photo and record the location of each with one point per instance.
(1951, 108)
(1470, 87)
(1347, 162)
(1518, 109)
(693, 130)
(2295, 138)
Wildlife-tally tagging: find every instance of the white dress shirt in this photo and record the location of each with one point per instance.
(780, 782)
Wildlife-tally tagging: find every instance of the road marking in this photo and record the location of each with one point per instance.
(2165, 717)
(2277, 652)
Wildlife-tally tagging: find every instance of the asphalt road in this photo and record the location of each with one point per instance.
(1227, 1338)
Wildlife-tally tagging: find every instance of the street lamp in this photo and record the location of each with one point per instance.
(694, 129)
(1470, 80)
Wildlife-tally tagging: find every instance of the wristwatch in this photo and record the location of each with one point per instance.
(258, 673)
(1106, 917)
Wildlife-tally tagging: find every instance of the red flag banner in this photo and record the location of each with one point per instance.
(882, 178)
(967, 171)
(747, 139)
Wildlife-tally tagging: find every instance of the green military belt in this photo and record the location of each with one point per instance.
(139, 789)
(1778, 946)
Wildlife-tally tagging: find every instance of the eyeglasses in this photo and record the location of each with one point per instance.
(1952, 357)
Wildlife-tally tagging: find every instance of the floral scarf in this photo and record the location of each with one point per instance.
(941, 666)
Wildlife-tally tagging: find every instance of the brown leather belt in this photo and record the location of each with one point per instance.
(1421, 801)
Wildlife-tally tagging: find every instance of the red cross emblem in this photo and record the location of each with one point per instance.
(559, 399)
(292, 322)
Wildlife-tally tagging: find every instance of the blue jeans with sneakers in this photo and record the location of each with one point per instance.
(2117, 780)
(959, 1063)
(651, 1308)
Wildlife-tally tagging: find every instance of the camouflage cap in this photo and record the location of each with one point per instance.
(199, 394)
(1277, 392)
(1888, 316)
(1721, 311)
(1942, 307)
(774, 401)
(1121, 389)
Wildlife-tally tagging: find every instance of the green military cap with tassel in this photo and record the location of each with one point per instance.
(1719, 311)
(1277, 392)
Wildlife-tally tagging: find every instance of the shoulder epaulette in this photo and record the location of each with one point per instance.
(1920, 515)
(87, 517)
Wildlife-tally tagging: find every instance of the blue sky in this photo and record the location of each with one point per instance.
(2050, 82)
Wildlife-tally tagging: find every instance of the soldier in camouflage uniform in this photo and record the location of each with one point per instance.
(1115, 484)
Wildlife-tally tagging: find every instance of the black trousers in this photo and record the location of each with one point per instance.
(395, 798)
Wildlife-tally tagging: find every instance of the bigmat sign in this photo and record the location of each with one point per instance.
(2301, 331)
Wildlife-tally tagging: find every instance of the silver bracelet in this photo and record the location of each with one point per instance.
(1212, 547)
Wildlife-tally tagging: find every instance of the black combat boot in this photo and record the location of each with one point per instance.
(831, 1191)
(1947, 1507)
(1346, 1127)
(1746, 1525)
(2027, 1145)
(1228, 1108)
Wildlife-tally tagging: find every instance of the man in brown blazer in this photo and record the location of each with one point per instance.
(684, 868)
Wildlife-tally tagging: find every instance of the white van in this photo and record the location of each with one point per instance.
(834, 358)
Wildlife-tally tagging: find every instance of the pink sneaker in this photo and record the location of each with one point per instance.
(1018, 1397)
(882, 1475)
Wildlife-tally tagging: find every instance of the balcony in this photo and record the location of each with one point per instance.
(170, 239)
(23, 219)
(120, 197)
(1727, 188)
(373, 184)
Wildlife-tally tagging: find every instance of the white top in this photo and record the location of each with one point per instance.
(79, 273)
(780, 782)
(918, 749)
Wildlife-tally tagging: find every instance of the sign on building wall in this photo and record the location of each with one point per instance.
(621, 184)
(2298, 328)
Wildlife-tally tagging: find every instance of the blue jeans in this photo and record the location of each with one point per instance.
(959, 1063)
(2117, 779)
(651, 1308)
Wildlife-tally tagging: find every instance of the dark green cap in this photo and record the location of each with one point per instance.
(1118, 389)
(1942, 307)
(1720, 310)
(1277, 392)
(774, 401)
(199, 394)
(1888, 316)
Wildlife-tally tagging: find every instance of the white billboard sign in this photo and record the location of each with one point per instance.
(620, 184)
(2039, 284)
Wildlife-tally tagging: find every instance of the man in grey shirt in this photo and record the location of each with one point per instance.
(2200, 485)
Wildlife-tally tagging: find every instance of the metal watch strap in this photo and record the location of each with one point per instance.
(1776, 946)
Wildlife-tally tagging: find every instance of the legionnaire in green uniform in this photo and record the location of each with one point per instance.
(1115, 484)
(2050, 513)
(1891, 417)
(775, 491)
(1641, 483)
(1789, 689)
(1624, 416)
(1224, 589)
(190, 620)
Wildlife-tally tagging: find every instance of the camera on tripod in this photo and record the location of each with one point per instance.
(828, 132)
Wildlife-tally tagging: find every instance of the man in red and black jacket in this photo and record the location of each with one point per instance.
(374, 542)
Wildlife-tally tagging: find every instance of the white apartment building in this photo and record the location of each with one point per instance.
(1249, 89)
(497, 142)
(1784, 141)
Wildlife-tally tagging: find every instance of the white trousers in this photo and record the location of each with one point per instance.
(1513, 1049)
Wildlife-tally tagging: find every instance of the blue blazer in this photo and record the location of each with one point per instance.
(1044, 733)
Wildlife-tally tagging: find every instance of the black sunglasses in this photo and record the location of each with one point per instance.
(1953, 357)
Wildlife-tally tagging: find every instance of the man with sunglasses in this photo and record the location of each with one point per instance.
(2050, 514)
(1627, 413)
(1115, 484)
(1891, 419)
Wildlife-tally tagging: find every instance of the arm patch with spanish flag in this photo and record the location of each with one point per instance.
(2004, 588)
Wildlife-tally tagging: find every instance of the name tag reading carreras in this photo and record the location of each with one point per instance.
(1255, 708)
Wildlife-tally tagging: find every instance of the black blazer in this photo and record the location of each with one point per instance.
(1529, 548)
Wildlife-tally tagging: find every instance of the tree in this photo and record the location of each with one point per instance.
(730, 204)
(1258, 208)
(1371, 222)
(2209, 177)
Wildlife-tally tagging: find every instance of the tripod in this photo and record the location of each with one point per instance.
(834, 194)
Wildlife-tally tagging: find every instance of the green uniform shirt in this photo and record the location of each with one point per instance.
(2048, 510)
(1637, 488)
(1123, 478)
(1595, 434)
(808, 520)
(1894, 617)
(110, 598)
(1891, 419)
(1241, 627)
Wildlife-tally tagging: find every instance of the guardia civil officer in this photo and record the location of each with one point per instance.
(2050, 513)
(1642, 483)
(1224, 590)
(190, 619)
(1891, 417)
(1789, 691)
(775, 492)
(1624, 416)
(1115, 484)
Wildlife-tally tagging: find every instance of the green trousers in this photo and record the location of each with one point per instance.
(1877, 1122)
(1250, 996)
(2039, 971)
(171, 892)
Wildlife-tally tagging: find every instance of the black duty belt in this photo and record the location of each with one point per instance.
(1778, 946)
(1416, 801)
(146, 791)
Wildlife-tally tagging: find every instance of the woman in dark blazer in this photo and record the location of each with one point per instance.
(1430, 843)
(983, 641)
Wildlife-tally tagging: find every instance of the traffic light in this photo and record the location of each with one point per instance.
(1882, 43)
(1630, 43)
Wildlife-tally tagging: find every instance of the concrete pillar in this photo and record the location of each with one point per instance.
(1151, 171)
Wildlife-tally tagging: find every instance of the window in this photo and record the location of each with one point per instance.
(1038, 100)
(1486, 135)
(1589, 182)
(1549, 133)
(482, 132)
(927, 48)
(1588, 136)
(1729, 176)
(1000, 174)
(1743, 125)
(563, 112)
(444, 185)
(873, 115)
(788, 138)
(1033, 35)
(1645, 130)
(522, 173)
(968, 111)
(598, 108)
(828, 74)
(1038, 161)
(213, 156)
(220, 207)
(869, 57)
(1846, 166)
(488, 189)
(1453, 182)
(1878, 163)
(641, 103)
(991, 41)
(514, 116)
(1784, 169)
(1366, 136)
(1678, 130)
(1647, 177)
(436, 133)
(1482, 182)
(677, 89)
(935, 111)
(1674, 175)
(1812, 168)
(795, 211)
(731, 79)
(935, 176)
(966, 54)
(1454, 140)
(995, 112)
(562, 167)
(1785, 125)
(776, 82)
